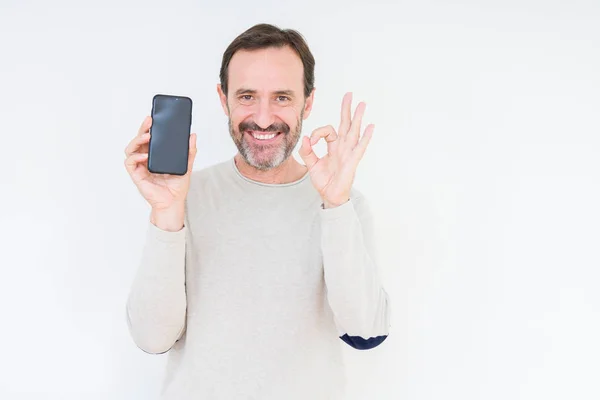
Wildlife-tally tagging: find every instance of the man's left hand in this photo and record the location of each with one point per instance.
(333, 174)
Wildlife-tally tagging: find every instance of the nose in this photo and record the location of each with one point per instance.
(264, 116)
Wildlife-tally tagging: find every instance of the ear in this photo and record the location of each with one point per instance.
(223, 99)
(308, 103)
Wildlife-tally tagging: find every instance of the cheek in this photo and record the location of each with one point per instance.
(289, 116)
(238, 115)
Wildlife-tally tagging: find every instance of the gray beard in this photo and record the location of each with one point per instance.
(282, 153)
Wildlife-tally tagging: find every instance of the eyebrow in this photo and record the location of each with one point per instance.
(276, 92)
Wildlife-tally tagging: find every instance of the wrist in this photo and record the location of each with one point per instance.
(333, 204)
(168, 219)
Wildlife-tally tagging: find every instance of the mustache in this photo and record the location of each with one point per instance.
(276, 127)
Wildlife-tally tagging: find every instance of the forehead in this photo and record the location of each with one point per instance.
(266, 69)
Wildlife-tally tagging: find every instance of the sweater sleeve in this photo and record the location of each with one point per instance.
(156, 305)
(360, 305)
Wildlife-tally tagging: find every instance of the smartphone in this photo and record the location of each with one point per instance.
(169, 144)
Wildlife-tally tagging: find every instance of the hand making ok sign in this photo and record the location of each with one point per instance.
(333, 174)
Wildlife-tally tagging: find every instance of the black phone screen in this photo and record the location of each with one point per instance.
(168, 148)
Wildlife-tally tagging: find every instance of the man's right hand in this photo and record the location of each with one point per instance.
(164, 192)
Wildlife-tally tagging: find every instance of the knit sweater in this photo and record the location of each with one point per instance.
(255, 296)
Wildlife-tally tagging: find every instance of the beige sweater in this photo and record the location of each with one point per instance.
(255, 296)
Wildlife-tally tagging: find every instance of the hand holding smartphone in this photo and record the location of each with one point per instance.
(165, 188)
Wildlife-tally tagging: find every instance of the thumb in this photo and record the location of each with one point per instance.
(307, 154)
(192, 152)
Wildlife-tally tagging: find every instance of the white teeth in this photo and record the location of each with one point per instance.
(264, 137)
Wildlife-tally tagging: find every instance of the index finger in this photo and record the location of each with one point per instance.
(145, 127)
(326, 132)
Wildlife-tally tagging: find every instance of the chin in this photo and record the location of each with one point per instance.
(265, 164)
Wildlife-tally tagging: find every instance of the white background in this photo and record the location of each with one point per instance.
(483, 173)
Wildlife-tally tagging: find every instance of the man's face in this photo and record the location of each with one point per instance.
(266, 104)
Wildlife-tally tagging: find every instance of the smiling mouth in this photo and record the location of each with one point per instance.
(263, 136)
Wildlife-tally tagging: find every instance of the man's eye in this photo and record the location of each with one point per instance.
(283, 98)
(246, 97)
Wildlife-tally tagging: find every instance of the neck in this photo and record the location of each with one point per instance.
(288, 171)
